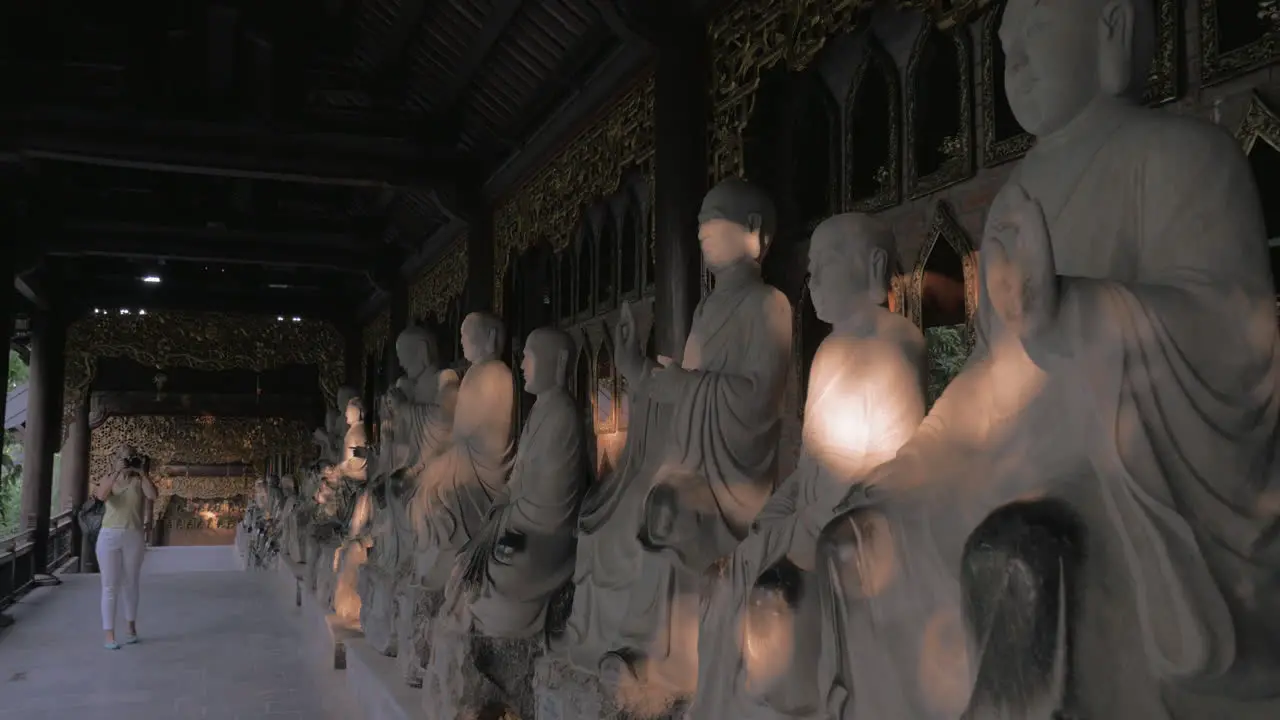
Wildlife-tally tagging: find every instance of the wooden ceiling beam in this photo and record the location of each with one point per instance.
(225, 150)
(212, 251)
(479, 49)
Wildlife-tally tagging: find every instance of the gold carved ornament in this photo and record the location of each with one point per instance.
(754, 36)
(1218, 64)
(1259, 123)
(592, 166)
(198, 341)
(200, 488)
(435, 289)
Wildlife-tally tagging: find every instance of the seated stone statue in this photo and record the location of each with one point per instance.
(1084, 524)
(757, 656)
(700, 459)
(525, 554)
(453, 498)
(415, 429)
(328, 439)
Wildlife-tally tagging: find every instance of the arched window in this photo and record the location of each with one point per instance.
(606, 391)
(606, 263)
(939, 111)
(873, 141)
(582, 389)
(944, 296)
(586, 273)
(629, 254)
(1003, 138)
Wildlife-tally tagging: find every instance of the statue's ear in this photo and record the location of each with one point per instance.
(755, 223)
(1115, 47)
(562, 367)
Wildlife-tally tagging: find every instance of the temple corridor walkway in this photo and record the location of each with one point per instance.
(217, 644)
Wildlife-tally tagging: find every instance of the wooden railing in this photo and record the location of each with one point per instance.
(18, 560)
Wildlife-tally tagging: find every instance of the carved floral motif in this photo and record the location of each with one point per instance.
(199, 341)
(549, 204)
(433, 291)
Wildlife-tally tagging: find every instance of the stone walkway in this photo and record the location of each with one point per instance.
(216, 645)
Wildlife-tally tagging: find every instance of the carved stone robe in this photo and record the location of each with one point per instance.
(541, 502)
(865, 399)
(461, 484)
(719, 446)
(1150, 408)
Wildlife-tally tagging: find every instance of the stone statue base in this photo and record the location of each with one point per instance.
(562, 692)
(378, 609)
(474, 677)
(416, 608)
(321, 569)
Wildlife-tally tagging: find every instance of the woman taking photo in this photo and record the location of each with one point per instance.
(121, 542)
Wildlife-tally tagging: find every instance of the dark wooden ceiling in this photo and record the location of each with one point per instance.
(283, 156)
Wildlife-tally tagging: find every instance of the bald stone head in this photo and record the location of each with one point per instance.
(545, 364)
(416, 350)
(736, 223)
(345, 394)
(482, 337)
(851, 262)
(1061, 55)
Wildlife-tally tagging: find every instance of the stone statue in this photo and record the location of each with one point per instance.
(338, 515)
(461, 484)
(757, 652)
(291, 533)
(1085, 525)
(700, 459)
(415, 430)
(329, 438)
(529, 555)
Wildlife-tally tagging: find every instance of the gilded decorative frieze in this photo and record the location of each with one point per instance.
(202, 488)
(203, 440)
(1259, 123)
(199, 341)
(434, 290)
(754, 36)
(1219, 64)
(548, 205)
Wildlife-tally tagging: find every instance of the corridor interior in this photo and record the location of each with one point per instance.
(218, 643)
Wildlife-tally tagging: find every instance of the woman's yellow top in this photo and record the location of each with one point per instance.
(124, 505)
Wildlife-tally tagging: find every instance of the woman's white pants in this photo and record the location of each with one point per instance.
(120, 555)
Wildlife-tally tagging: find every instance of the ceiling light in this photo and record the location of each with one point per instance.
(153, 279)
(277, 286)
(279, 318)
(124, 311)
(142, 312)
(297, 319)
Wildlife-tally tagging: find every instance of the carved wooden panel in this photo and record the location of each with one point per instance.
(1236, 37)
(873, 107)
(939, 111)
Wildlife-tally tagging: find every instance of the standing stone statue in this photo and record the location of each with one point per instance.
(415, 430)
(700, 459)
(462, 483)
(337, 513)
(758, 654)
(1084, 525)
(530, 556)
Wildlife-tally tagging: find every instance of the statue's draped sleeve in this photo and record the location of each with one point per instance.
(726, 424)
(1180, 370)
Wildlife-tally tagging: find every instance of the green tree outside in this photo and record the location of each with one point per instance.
(11, 471)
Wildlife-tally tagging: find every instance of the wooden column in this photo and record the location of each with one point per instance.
(44, 428)
(74, 483)
(681, 114)
(481, 264)
(397, 321)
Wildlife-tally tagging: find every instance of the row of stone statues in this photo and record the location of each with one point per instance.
(1083, 525)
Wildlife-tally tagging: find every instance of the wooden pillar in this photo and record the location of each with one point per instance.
(397, 321)
(352, 355)
(74, 483)
(481, 264)
(681, 114)
(44, 427)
